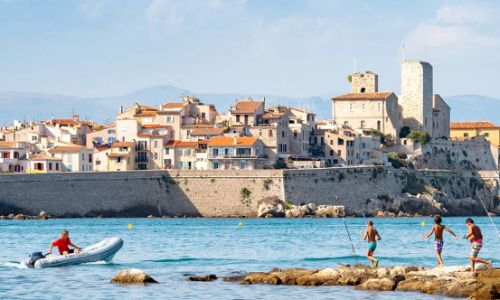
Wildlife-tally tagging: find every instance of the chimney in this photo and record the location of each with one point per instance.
(120, 110)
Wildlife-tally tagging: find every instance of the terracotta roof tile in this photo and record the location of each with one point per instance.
(207, 131)
(474, 125)
(181, 144)
(66, 122)
(247, 106)
(363, 96)
(169, 105)
(122, 144)
(8, 145)
(43, 156)
(230, 141)
(155, 126)
(66, 149)
(112, 155)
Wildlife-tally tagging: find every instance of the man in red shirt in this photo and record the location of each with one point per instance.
(63, 244)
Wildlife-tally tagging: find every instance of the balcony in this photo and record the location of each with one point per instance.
(142, 159)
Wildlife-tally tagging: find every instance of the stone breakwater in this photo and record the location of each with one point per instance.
(448, 281)
(370, 191)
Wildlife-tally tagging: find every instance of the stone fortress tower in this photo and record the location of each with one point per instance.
(364, 82)
(416, 97)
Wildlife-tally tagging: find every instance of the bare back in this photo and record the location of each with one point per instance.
(438, 231)
(476, 233)
(371, 234)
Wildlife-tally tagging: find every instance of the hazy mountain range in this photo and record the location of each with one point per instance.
(39, 106)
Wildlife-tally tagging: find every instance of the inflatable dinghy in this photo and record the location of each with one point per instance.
(103, 251)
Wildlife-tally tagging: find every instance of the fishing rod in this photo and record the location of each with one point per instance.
(350, 240)
(486, 210)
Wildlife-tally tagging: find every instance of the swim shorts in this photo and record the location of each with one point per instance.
(474, 250)
(438, 245)
(372, 246)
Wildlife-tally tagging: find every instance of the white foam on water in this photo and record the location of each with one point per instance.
(20, 265)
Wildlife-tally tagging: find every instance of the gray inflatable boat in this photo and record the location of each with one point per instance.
(105, 250)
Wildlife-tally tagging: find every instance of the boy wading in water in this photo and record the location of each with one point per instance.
(438, 230)
(372, 234)
(475, 236)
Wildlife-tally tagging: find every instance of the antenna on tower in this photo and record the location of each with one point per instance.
(403, 49)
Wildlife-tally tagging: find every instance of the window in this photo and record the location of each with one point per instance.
(238, 118)
(70, 158)
(169, 119)
(331, 153)
(283, 134)
(83, 156)
(90, 158)
(362, 124)
(466, 134)
(155, 155)
(50, 166)
(243, 164)
(57, 166)
(226, 151)
(331, 142)
(350, 107)
(111, 131)
(119, 160)
(339, 152)
(97, 140)
(156, 144)
(378, 125)
(216, 152)
(270, 133)
(246, 119)
(70, 168)
(486, 134)
(167, 151)
(363, 106)
(34, 138)
(363, 90)
(295, 134)
(203, 115)
(142, 145)
(215, 165)
(111, 140)
(340, 142)
(379, 106)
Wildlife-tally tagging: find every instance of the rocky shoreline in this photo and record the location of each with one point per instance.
(453, 281)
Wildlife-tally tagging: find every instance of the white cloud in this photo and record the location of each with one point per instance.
(455, 26)
(467, 13)
(168, 14)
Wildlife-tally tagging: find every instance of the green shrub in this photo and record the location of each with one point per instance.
(422, 137)
(245, 193)
(280, 164)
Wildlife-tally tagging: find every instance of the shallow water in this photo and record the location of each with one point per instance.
(169, 249)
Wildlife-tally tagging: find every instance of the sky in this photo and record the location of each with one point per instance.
(279, 47)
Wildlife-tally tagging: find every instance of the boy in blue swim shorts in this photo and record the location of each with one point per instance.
(372, 235)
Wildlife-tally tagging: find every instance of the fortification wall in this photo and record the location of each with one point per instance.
(477, 154)
(139, 193)
(225, 193)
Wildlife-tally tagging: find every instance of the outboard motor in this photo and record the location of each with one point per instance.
(34, 257)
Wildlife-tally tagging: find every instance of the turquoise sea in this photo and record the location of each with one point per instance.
(169, 249)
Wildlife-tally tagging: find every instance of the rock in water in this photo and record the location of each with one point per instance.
(271, 207)
(133, 276)
(210, 277)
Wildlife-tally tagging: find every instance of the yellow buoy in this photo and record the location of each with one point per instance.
(240, 224)
(130, 226)
(423, 224)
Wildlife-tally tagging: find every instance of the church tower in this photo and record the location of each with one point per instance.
(416, 95)
(364, 82)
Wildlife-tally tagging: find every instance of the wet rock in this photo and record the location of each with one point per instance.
(330, 211)
(377, 284)
(261, 277)
(205, 278)
(270, 207)
(133, 276)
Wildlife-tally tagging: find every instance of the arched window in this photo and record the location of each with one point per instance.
(363, 90)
